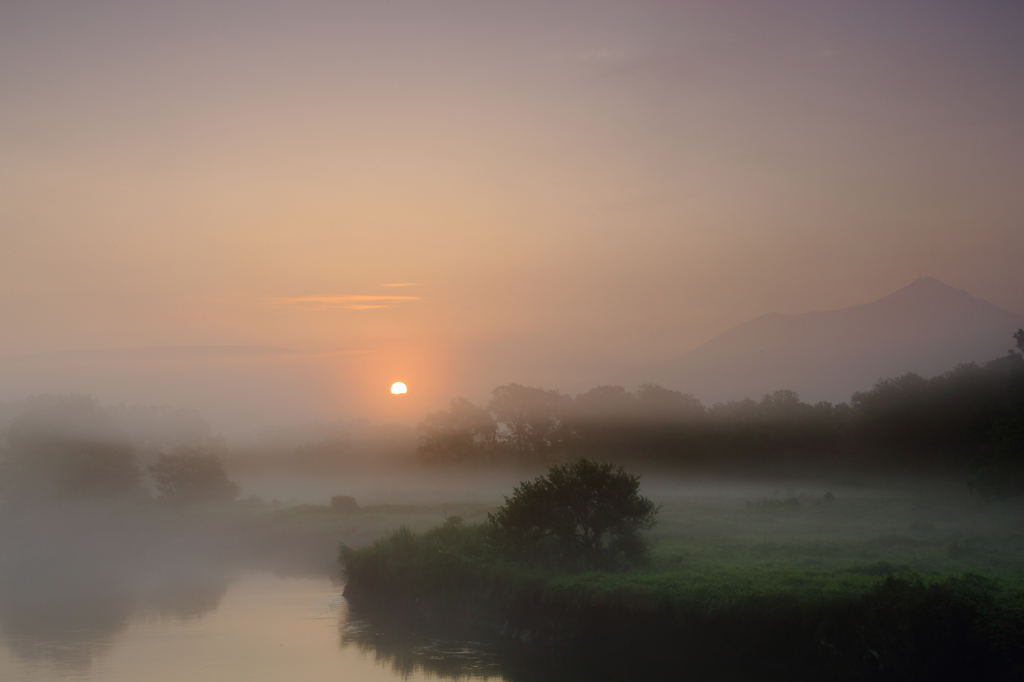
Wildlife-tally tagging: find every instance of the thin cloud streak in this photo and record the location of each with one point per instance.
(341, 301)
(403, 284)
(347, 298)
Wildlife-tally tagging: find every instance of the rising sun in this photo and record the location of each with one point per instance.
(398, 388)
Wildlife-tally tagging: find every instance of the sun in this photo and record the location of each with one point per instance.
(398, 388)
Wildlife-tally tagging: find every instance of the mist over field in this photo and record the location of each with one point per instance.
(115, 516)
(521, 341)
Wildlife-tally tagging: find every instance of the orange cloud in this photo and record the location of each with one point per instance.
(342, 301)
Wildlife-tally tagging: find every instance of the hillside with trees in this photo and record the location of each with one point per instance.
(968, 417)
(926, 328)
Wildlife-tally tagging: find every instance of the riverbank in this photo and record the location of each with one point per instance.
(883, 607)
(295, 540)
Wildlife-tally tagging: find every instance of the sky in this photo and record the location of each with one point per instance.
(462, 194)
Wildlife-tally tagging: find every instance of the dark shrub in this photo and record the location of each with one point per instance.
(344, 504)
(65, 447)
(192, 477)
(581, 513)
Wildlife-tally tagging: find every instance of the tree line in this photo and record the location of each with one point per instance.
(59, 448)
(973, 415)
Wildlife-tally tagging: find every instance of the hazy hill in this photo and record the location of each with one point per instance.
(926, 327)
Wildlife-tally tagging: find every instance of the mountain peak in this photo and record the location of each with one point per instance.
(927, 286)
(926, 327)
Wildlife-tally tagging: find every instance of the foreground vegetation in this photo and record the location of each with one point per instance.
(854, 585)
(840, 583)
(749, 582)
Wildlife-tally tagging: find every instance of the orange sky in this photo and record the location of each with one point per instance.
(567, 189)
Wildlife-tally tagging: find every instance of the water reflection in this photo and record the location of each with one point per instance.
(67, 613)
(123, 600)
(206, 623)
(115, 599)
(67, 620)
(188, 593)
(407, 652)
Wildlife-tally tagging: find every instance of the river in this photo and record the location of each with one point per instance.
(249, 627)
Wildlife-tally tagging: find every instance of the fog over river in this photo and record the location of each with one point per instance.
(252, 626)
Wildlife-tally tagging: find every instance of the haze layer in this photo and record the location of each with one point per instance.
(457, 195)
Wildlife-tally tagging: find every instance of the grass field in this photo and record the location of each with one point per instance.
(713, 547)
(860, 584)
(723, 545)
(861, 581)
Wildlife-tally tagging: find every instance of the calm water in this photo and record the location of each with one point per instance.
(250, 627)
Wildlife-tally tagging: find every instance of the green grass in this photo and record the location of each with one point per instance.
(720, 549)
(822, 548)
(859, 587)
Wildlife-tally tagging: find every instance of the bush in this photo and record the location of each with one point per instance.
(344, 504)
(581, 513)
(192, 477)
(65, 447)
(404, 564)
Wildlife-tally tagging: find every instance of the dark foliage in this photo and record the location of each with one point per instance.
(998, 471)
(970, 417)
(192, 477)
(344, 504)
(581, 513)
(463, 433)
(532, 422)
(404, 564)
(66, 447)
(903, 628)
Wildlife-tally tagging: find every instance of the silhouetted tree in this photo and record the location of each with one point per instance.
(605, 402)
(192, 477)
(582, 512)
(946, 420)
(657, 404)
(783, 403)
(463, 433)
(532, 421)
(653, 424)
(998, 472)
(603, 422)
(943, 423)
(345, 504)
(65, 447)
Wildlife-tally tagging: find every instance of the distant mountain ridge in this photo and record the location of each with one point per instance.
(927, 327)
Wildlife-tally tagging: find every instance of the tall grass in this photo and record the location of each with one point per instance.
(872, 619)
